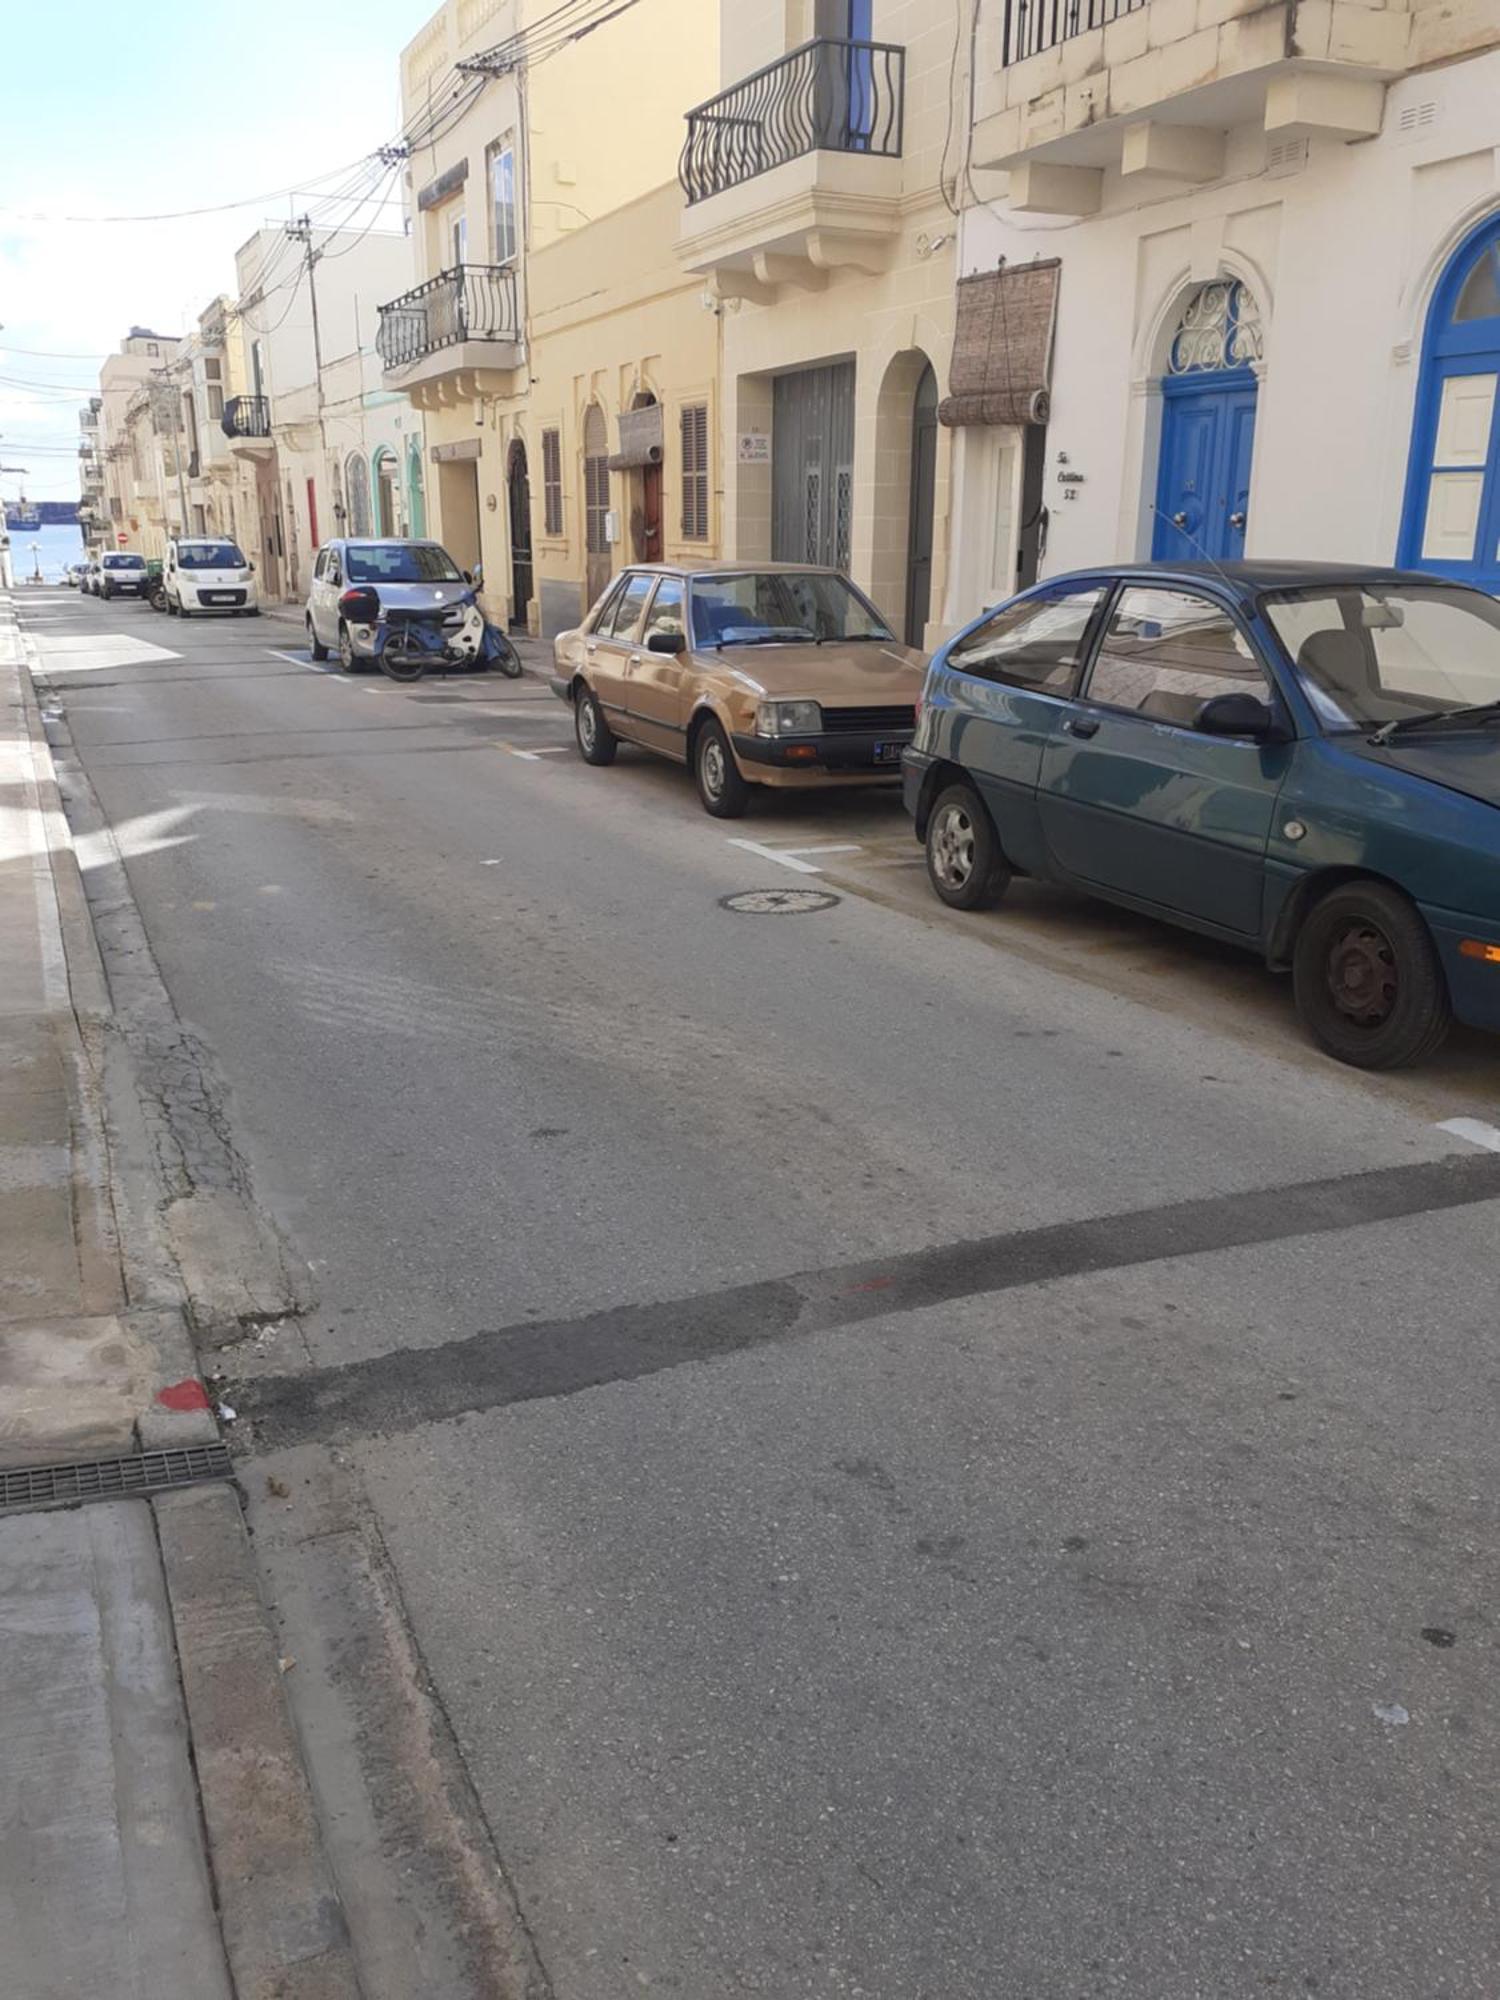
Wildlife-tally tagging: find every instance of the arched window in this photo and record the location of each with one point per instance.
(1219, 329)
(357, 488)
(1452, 518)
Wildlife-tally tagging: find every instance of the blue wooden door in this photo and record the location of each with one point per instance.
(1203, 480)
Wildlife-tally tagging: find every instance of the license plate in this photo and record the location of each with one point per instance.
(218, 597)
(888, 753)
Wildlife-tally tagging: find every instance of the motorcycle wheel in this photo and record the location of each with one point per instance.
(507, 661)
(402, 669)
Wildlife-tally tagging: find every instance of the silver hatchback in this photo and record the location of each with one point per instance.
(407, 576)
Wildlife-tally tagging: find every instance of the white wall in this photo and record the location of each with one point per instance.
(1342, 256)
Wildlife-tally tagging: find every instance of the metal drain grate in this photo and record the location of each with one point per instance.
(112, 1478)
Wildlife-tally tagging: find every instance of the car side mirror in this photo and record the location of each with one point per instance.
(665, 642)
(1239, 715)
(251, 568)
(468, 576)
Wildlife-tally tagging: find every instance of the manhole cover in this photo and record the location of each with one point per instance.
(778, 902)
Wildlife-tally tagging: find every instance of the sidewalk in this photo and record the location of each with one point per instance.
(140, 1705)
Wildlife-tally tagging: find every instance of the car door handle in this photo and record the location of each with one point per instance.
(636, 658)
(591, 646)
(1082, 725)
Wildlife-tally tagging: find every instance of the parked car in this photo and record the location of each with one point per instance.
(1300, 759)
(406, 576)
(769, 674)
(207, 573)
(89, 582)
(122, 573)
(73, 575)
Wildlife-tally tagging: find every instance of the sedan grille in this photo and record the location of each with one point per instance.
(852, 720)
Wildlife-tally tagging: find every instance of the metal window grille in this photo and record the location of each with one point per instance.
(595, 483)
(552, 494)
(695, 472)
(812, 512)
(843, 515)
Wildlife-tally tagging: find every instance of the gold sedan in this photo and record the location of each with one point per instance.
(750, 674)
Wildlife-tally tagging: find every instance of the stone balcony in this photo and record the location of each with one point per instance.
(453, 338)
(796, 170)
(1148, 88)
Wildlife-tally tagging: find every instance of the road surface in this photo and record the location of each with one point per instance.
(917, 1455)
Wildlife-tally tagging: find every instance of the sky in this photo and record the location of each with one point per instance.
(107, 112)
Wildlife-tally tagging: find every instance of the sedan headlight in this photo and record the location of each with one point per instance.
(788, 718)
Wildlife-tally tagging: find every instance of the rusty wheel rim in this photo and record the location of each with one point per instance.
(1363, 979)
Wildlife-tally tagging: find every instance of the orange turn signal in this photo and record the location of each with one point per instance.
(1488, 954)
(801, 753)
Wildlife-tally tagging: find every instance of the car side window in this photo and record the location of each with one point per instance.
(1036, 643)
(666, 610)
(335, 567)
(630, 605)
(604, 616)
(1166, 652)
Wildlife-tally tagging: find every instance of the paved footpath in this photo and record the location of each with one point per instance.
(132, 1639)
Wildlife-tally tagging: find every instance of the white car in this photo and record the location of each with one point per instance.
(208, 574)
(406, 576)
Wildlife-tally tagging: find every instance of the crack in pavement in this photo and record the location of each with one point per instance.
(408, 1387)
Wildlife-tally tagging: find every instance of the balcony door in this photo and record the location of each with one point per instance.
(845, 86)
(812, 466)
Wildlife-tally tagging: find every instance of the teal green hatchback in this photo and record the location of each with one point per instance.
(1296, 758)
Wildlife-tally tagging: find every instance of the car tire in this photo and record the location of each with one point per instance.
(253, 611)
(108, 590)
(964, 863)
(597, 742)
(1367, 980)
(348, 658)
(722, 787)
(172, 609)
(315, 645)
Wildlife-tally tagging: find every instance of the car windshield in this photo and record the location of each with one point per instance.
(209, 555)
(124, 562)
(1372, 654)
(780, 608)
(399, 562)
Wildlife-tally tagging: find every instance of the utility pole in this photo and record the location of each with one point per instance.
(300, 231)
(172, 397)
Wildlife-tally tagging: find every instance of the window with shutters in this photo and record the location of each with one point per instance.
(595, 483)
(552, 493)
(695, 472)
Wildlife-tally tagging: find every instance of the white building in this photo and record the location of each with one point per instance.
(324, 449)
(1269, 240)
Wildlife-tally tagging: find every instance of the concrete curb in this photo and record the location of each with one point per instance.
(283, 1925)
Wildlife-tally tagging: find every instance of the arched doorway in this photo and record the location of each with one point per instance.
(416, 497)
(387, 512)
(1452, 517)
(920, 512)
(520, 535)
(595, 504)
(1208, 426)
(357, 492)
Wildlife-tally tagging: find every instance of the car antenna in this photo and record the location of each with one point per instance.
(1177, 528)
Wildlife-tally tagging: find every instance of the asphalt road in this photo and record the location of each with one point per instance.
(924, 1456)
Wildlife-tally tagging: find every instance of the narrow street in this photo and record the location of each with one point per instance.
(904, 1454)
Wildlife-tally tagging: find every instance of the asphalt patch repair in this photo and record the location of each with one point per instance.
(407, 1388)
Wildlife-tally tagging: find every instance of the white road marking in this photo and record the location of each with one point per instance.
(779, 855)
(1475, 1131)
(527, 756)
(834, 847)
(552, 750)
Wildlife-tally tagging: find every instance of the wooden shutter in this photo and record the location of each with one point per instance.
(695, 472)
(552, 504)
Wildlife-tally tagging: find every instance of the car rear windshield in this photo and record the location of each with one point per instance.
(1367, 654)
(124, 562)
(209, 555)
(780, 607)
(400, 562)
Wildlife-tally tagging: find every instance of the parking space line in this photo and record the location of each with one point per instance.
(1475, 1130)
(833, 847)
(779, 855)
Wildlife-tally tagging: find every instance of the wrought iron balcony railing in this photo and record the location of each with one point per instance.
(469, 302)
(246, 417)
(828, 96)
(1030, 26)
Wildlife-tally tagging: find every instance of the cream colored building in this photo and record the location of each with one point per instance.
(818, 218)
(1274, 235)
(130, 504)
(547, 303)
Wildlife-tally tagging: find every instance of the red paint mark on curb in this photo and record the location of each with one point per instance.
(870, 1285)
(188, 1395)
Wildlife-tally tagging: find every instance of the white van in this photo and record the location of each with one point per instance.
(208, 574)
